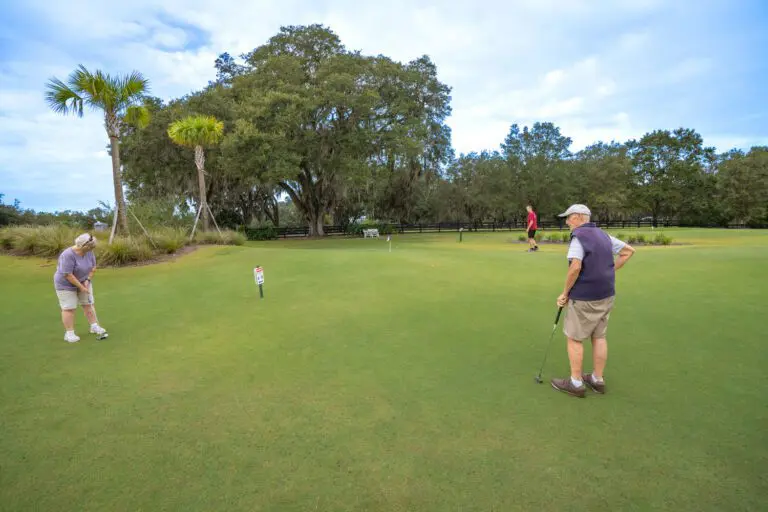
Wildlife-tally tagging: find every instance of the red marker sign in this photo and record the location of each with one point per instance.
(258, 274)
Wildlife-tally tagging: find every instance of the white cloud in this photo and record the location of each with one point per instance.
(169, 38)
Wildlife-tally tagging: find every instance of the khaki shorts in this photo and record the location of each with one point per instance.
(585, 319)
(69, 299)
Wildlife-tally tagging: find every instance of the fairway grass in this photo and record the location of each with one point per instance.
(374, 381)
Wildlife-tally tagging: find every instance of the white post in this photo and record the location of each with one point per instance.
(194, 226)
(213, 218)
(114, 226)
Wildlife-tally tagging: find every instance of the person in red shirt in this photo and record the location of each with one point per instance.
(532, 226)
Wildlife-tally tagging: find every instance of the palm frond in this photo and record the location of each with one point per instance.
(62, 99)
(132, 87)
(137, 116)
(99, 90)
(196, 130)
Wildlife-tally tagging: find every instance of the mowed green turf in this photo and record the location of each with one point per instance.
(368, 380)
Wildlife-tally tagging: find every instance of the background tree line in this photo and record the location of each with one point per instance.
(316, 134)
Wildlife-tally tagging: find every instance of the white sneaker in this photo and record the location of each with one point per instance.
(97, 329)
(71, 338)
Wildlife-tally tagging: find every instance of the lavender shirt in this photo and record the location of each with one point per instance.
(71, 263)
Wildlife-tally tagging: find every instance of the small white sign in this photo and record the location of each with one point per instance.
(258, 274)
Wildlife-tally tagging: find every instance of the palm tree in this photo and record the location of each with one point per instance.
(198, 131)
(119, 98)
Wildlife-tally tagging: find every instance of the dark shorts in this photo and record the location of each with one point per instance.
(531, 233)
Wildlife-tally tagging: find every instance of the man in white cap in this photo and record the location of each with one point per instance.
(589, 294)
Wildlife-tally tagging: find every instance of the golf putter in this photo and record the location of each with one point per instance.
(557, 319)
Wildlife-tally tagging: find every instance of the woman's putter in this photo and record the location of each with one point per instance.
(557, 319)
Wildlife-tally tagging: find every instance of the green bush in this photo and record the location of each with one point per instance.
(43, 241)
(631, 239)
(170, 240)
(566, 237)
(621, 236)
(640, 237)
(355, 229)
(8, 237)
(52, 240)
(226, 237)
(662, 239)
(387, 229)
(522, 238)
(25, 241)
(234, 237)
(261, 233)
(123, 251)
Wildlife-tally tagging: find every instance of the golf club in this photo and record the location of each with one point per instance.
(557, 319)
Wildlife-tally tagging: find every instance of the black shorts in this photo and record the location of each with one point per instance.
(531, 233)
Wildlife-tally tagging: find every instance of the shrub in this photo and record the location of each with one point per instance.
(354, 229)
(52, 240)
(566, 237)
(8, 237)
(234, 238)
(387, 229)
(522, 238)
(170, 240)
(662, 239)
(261, 233)
(632, 239)
(640, 237)
(42, 241)
(554, 238)
(226, 237)
(25, 241)
(122, 251)
(621, 236)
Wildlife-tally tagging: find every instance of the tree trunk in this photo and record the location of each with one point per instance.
(311, 209)
(315, 223)
(117, 179)
(200, 162)
(275, 210)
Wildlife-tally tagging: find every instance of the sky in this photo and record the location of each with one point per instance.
(599, 69)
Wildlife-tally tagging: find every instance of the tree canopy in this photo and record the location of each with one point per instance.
(327, 135)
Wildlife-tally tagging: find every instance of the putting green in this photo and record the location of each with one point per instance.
(370, 380)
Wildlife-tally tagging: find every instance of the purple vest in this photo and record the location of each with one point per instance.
(597, 278)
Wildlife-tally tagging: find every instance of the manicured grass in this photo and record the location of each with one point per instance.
(369, 380)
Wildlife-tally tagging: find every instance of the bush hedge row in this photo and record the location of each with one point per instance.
(49, 241)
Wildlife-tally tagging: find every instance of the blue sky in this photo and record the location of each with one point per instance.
(599, 69)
